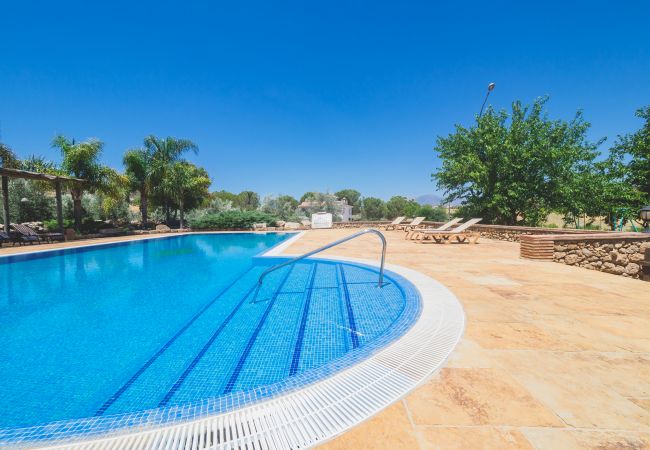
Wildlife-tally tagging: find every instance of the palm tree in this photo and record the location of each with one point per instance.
(165, 153)
(183, 181)
(81, 160)
(139, 165)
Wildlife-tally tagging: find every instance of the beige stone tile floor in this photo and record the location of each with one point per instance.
(553, 357)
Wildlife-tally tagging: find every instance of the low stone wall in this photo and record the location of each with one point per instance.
(499, 232)
(615, 253)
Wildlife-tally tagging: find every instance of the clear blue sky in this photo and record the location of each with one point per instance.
(302, 96)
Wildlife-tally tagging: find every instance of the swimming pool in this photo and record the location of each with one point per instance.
(105, 338)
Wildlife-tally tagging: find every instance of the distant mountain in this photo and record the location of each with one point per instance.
(429, 199)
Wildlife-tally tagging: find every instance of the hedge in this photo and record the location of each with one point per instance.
(233, 219)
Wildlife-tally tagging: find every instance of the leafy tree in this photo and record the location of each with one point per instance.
(283, 206)
(81, 160)
(39, 164)
(288, 202)
(225, 196)
(308, 195)
(400, 206)
(631, 156)
(166, 152)
(29, 201)
(436, 214)
(7, 157)
(514, 168)
(373, 208)
(139, 164)
(186, 184)
(248, 200)
(351, 195)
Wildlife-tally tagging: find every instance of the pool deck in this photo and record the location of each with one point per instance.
(553, 356)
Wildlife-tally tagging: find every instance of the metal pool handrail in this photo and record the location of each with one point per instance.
(325, 247)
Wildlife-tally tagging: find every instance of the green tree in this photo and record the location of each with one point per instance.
(287, 202)
(81, 160)
(514, 168)
(308, 195)
(225, 196)
(248, 200)
(351, 195)
(39, 164)
(373, 208)
(283, 206)
(435, 214)
(7, 157)
(166, 152)
(630, 157)
(139, 164)
(400, 206)
(186, 184)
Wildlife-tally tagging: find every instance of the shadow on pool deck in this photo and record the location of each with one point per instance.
(553, 356)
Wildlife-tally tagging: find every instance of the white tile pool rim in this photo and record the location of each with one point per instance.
(323, 410)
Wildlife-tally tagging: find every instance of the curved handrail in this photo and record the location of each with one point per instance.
(325, 247)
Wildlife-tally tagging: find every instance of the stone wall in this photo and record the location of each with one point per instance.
(615, 253)
(620, 258)
(499, 232)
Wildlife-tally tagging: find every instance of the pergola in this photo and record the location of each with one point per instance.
(7, 173)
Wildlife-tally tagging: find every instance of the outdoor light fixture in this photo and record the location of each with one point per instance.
(644, 215)
(490, 89)
(24, 200)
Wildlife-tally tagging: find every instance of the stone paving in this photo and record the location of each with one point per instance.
(553, 357)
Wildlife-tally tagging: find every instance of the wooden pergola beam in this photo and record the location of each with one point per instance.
(7, 173)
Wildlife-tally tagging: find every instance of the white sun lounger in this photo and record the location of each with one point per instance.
(412, 225)
(414, 234)
(461, 234)
(394, 223)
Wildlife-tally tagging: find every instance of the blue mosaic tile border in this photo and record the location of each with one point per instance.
(110, 425)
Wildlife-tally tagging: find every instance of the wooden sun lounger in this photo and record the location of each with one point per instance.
(414, 234)
(395, 223)
(25, 234)
(461, 234)
(412, 225)
(4, 237)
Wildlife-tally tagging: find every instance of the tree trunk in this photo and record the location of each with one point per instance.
(167, 213)
(182, 213)
(144, 204)
(76, 202)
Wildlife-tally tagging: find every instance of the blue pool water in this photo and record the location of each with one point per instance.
(149, 331)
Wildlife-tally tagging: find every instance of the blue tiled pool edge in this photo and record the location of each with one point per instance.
(110, 425)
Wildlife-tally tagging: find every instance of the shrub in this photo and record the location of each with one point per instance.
(233, 219)
(53, 224)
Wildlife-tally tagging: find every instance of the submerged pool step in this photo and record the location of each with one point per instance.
(270, 352)
(148, 384)
(210, 375)
(326, 331)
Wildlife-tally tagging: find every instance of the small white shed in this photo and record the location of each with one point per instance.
(321, 220)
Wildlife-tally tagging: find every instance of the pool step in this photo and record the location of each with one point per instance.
(164, 367)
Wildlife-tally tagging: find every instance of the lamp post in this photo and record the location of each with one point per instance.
(644, 215)
(490, 89)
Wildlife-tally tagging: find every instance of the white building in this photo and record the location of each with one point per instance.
(344, 210)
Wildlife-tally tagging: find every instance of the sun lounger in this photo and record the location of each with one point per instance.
(414, 234)
(394, 223)
(25, 234)
(461, 234)
(412, 225)
(4, 237)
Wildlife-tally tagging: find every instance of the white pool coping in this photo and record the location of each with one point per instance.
(321, 411)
